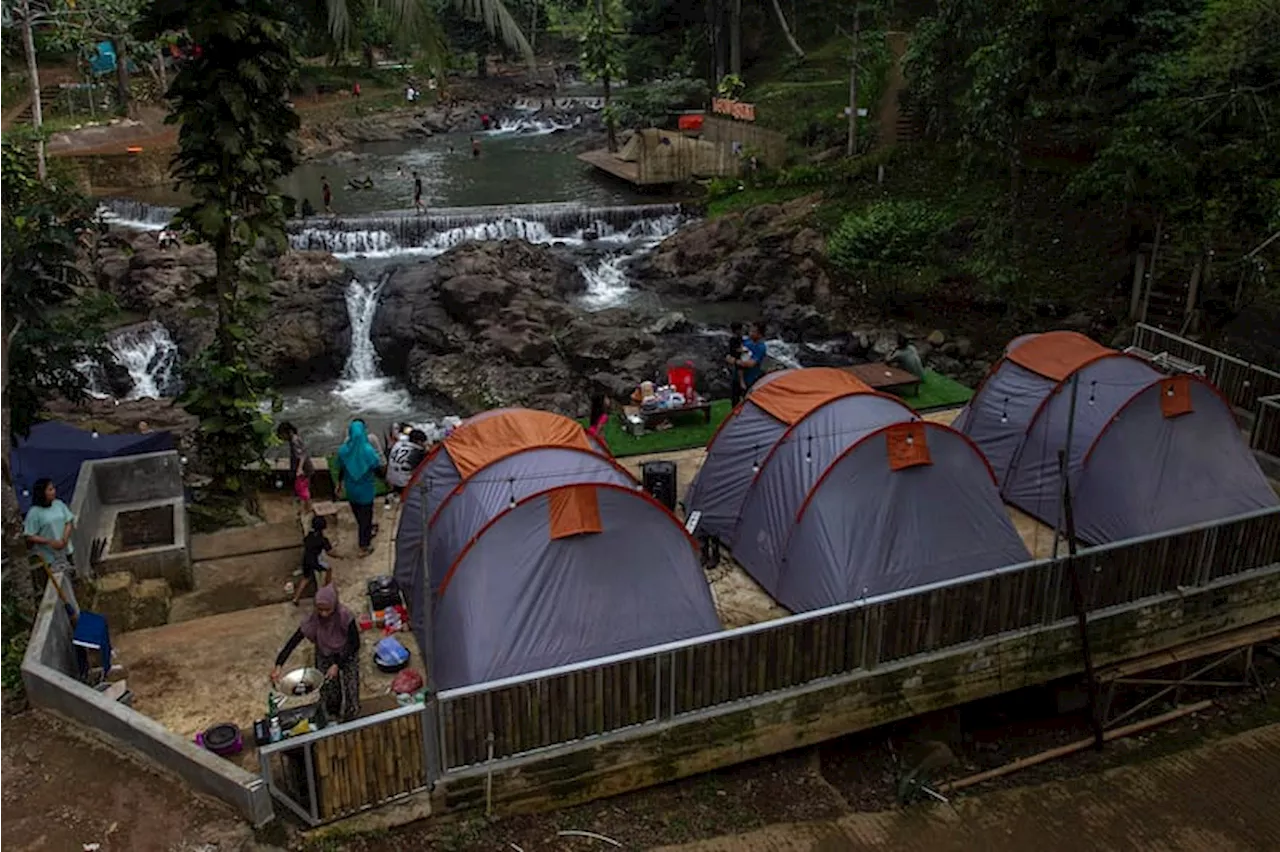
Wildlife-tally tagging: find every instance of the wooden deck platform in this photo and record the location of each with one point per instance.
(611, 163)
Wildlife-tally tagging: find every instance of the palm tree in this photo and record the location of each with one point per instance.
(415, 22)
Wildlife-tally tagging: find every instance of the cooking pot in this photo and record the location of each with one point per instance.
(301, 681)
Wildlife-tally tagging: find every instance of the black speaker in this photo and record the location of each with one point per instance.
(660, 481)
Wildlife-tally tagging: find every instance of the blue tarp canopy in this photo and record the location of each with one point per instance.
(56, 450)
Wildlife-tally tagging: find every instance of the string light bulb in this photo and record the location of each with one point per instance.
(808, 453)
(1093, 388)
(512, 484)
(1004, 412)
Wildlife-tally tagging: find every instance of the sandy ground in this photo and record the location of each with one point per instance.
(214, 668)
(739, 599)
(210, 664)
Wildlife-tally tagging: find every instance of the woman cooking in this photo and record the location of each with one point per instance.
(332, 627)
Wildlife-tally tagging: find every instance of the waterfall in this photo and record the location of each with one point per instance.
(363, 387)
(528, 127)
(138, 215)
(149, 355)
(607, 283)
(342, 242)
(440, 229)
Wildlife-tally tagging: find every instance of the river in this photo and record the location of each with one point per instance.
(527, 184)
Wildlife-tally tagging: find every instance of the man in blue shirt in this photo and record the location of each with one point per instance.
(752, 362)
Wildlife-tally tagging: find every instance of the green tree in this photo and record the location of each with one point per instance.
(602, 40)
(417, 23)
(48, 326)
(237, 139)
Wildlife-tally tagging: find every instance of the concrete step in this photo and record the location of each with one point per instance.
(243, 541)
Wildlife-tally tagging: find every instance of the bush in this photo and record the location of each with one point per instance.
(887, 232)
(650, 105)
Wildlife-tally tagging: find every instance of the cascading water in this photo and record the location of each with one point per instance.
(137, 215)
(149, 355)
(607, 283)
(363, 387)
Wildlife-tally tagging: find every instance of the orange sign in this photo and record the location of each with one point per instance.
(734, 109)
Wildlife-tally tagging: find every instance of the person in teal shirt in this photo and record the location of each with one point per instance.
(48, 524)
(358, 463)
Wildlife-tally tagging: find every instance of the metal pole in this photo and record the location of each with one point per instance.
(426, 605)
(1064, 468)
(1082, 621)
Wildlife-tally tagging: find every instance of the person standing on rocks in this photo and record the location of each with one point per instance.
(326, 192)
(417, 193)
(358, 463)
(752, 362)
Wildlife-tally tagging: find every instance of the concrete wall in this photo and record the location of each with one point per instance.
(48, 673)
(106, 488)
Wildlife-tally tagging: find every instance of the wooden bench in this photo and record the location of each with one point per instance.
(884, 377)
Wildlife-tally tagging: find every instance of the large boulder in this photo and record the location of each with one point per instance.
(497, 323)
(768, 255)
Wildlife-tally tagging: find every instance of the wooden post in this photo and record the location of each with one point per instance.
(1135, 298)
(430, 707)
(1078, 601)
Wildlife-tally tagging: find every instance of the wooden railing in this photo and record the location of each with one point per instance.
(1241, 382)
(341, 770)
(1265, 435)
(657, 685)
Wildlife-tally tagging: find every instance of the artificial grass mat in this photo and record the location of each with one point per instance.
(691, 430)
(938, 391)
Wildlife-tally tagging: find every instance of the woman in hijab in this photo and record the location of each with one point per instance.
(358, 463)
(332, 627)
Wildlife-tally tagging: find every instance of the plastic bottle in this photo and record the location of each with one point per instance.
(273, 716)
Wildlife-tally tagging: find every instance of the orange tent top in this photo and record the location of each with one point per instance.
(482, 441)
(1057, 354)
(791, 396)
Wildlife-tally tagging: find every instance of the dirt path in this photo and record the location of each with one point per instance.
(62, 791)
(1216, 798)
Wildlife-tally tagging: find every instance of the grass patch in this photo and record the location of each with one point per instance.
(691, 430)
(938, 391)
(753, 197)
(687, 431)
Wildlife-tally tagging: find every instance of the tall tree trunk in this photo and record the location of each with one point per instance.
(533, 28)
(610, 128)
(853, 84)
(33, 71)
(123, 102)
(735, 37)
(715, 21)
(164, 73)
(786, 30)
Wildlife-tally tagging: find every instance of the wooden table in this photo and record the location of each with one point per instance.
(657, 415)
(884, 377)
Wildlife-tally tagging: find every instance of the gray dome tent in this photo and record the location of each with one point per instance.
(828, 491)
(1148, 453)
(542, 552)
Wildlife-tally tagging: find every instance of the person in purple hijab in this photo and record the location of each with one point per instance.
(333, 629)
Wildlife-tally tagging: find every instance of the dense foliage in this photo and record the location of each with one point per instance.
(886, 232)
(237, 140)
(1172, 105)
